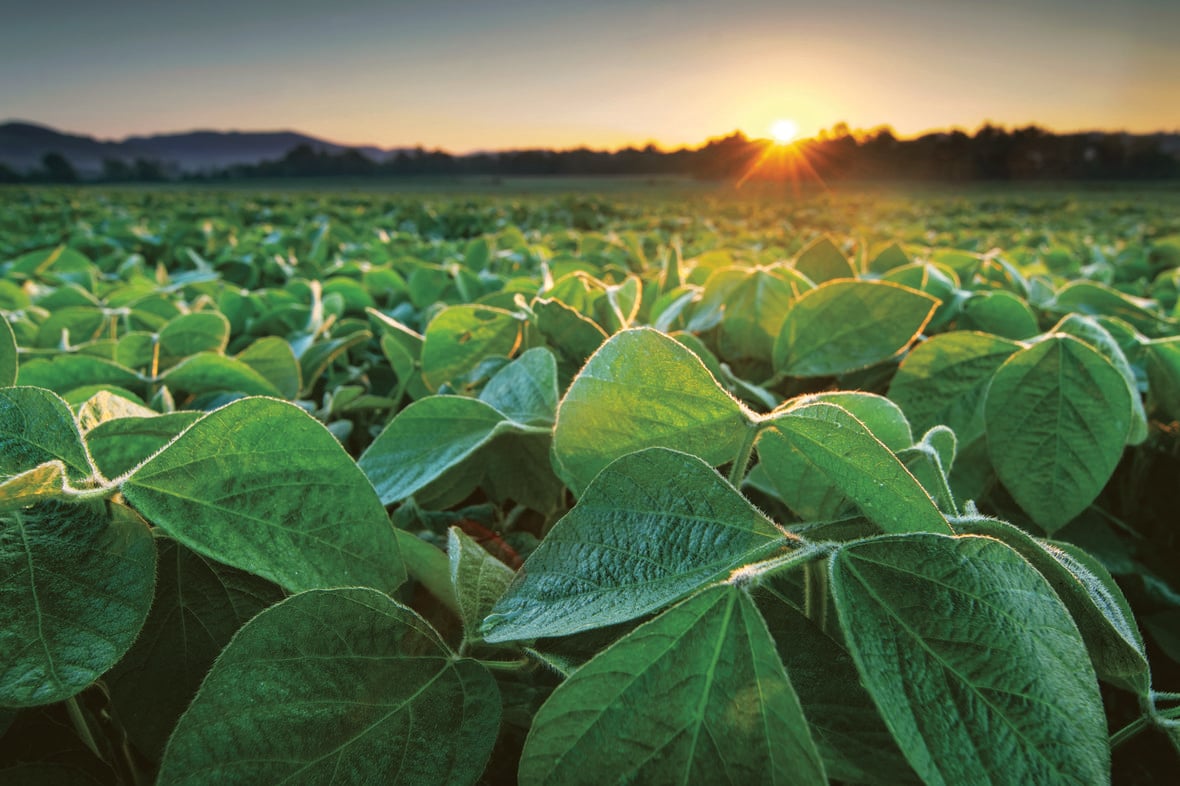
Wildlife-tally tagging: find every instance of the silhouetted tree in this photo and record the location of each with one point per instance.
(58, 169)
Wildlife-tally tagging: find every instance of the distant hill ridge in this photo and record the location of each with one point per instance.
(24, 144)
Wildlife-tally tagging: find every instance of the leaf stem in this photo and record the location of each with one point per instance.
(506, 665)
(81, 726)
(742, 461)
(1130, 730)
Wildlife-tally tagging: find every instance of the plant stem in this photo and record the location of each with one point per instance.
(1129, 731)
(81, 726)
(742, 462)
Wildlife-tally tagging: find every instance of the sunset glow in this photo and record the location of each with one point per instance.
(536, 73)
(784, 130)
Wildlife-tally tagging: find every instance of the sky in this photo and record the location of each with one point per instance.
(502, 74)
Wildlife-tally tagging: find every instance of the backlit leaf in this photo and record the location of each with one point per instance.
(1058, 415)
(642, 389)
(844, 325)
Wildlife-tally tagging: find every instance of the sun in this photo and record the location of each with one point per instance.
(784, 130)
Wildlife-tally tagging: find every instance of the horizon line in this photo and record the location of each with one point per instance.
(857, 132)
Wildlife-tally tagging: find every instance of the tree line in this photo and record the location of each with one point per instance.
(993, 153)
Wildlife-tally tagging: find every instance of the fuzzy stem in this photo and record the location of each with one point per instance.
(81, 726)
(742, 462)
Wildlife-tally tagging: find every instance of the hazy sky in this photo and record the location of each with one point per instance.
(497, 74)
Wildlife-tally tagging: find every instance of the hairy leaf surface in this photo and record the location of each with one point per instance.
(697, 695)
(973, 662)
(642, 389)
(337, 686)
(262, 486)
(653, 527)
(1058, 415)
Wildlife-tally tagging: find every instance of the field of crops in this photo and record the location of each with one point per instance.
(368, 488)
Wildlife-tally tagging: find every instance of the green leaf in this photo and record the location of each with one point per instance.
(478, 578)
(855, 744)
(314, 360)
(188, 334)
(843, 326)
(1087, 589)
(208, 372)
(573, 334)
(36, 426)
(833, 442)
(8, 359)
(339, 686)
(1089, 330)
(653, 527)
(119, 446)
(461, 336)
(1058, 415)
(1163, 374)
(1001, 313)
(697, 695)
(972, 660)
(75, 587)
(65, 372)
(275, 361)
(750, 304)
(425, 440)
(822, 261)
(1093, 299)
(199, 605)
(943, 381)
(643, 389)
(526, 389)
(262, 486)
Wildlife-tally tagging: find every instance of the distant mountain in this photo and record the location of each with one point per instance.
(23, 145)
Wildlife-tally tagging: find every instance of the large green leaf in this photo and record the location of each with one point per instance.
(199, 605)
(653, 527)
(1090, 331)
(8, 360)
(824, 438)
(119, 446)
(441, 434)
(75, 586)
(209, 372)
(642, 389)
(855, 744)
(428, 438)
(188, 334)
(262, 486)
(750, 304)
(526, 389)
(275, 361)
(697, 695)
(461, 336)
(1086, 588)
(972, 660)
(822, 261)
(943, 381)
(36, 426)
(65, 372)
(1058, 415)
(846, 325)
(339, 686)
